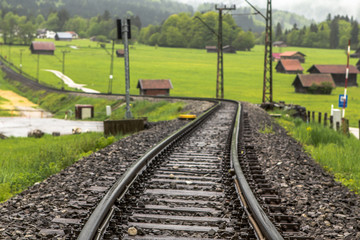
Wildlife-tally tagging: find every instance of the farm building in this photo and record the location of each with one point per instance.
(159, 87)
(120, 53)
(289, 66)
(276, 56)
(338, 73)
(302, 83)
(279, 44)
(356, 54)
(229, 49)
(211, 49)
(226, 49)
(45, 48)
(63, 36)
(74, 35)
(293, 55)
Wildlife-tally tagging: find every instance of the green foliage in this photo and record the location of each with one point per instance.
(336, 152)
(158, 111)
(182, 30)
(244, 41)
(323, 88)
(31, 160)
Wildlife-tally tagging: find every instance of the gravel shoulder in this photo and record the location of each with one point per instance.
(326, 209)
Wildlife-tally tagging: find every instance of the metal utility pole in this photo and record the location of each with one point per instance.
(268, 79)
(220, 58)
(38, 68)
(125, 33)
(21, 50)
(63, 68)
(111, 68)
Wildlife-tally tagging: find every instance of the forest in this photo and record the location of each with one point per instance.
(178, 30)
(151, 11)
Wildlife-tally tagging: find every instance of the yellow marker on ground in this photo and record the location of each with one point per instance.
(187, 116)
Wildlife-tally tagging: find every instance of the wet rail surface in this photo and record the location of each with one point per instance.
(188, 194)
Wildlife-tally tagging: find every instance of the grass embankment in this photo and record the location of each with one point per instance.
(337, 153)
(192, 72)
(25, 161)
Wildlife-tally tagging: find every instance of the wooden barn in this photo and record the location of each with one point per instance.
(293, 55)
(291, 66)
(356, 54)
(211, 49)
(279, 44)
(338, 73)
(303, 82)
(226, 49)
(229, 49)
(120, 53)
(63, 36)
(44, 48)
(159, 87)
(276, 57)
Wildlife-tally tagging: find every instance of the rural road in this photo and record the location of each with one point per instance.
(68, 81)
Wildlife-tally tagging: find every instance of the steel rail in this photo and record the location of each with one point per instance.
(96, 219)
(268, 230)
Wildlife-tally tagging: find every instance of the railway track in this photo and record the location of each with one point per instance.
(185, 190)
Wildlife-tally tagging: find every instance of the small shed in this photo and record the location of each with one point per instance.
(338, 73)
(120, 53)
(291, 66)
(356, 54)
(276, 56)
(74, 35)
(63, 36)
(279, 44)
(83, 111)
(302, 82)
(44, 48)
(150, 87)
(229, 49)
(293, 55)
(211, 49)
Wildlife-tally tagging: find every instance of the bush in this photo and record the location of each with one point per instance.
(323, 88)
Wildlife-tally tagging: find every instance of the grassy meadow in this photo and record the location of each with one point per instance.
(192, 72)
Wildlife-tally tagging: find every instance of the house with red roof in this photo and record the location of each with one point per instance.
(293, 55)
(276, 56)
(308, 83)
(291, 66)
(45, 48)
(338, 73)
(152, 87)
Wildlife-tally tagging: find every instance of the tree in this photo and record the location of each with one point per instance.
(52, 22)
(278, 32)
(354, 34)
(334, 33)
(26, 32)
(9, 27)
(244, 41)
(63, 16)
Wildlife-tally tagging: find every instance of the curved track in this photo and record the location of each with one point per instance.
(185, 189)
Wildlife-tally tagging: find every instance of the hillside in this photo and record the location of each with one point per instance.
(247, 21)
(150, 11)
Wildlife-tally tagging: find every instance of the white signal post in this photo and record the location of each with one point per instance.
(346, 78)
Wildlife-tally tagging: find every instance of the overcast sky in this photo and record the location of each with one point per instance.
(312, 9)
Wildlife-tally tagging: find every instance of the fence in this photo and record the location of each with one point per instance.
(343, 126)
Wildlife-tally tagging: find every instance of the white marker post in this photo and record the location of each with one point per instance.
(346, 79)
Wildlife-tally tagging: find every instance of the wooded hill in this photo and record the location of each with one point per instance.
(150, 11)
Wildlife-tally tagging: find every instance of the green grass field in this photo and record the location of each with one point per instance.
(192, 72)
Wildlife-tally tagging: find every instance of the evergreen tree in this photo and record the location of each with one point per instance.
(334, 33)
(355, 34)
(278, 32)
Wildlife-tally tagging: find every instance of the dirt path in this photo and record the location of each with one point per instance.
(19, 105)
(68, 81)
